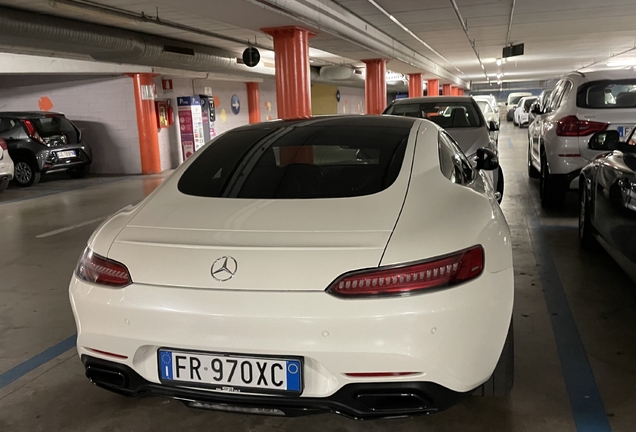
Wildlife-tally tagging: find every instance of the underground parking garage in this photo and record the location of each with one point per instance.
(262, 216)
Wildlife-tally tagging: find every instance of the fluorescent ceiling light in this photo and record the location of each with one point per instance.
(498, 61)
(622, 62)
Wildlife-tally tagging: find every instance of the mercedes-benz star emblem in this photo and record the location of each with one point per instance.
(224, 268)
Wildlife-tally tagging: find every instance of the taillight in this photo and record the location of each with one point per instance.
(33, 133)
(572, 126)
(3, 144)
(436, 273)
(96, 269)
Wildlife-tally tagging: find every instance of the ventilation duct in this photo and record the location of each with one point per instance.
(336, 73)
(21, 29)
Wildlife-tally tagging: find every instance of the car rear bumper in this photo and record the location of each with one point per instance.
(357, 401)
(50, 161)
(452, 338)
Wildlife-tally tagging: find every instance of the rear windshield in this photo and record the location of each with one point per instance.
(515, 99)
(607, 94)
(484, 107)
(448, 115)
(56, 127)
(529, 102)
(298, 162)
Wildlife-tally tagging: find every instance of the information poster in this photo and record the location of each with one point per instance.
(190, 124)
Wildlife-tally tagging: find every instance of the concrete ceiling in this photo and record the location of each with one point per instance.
(559, 36)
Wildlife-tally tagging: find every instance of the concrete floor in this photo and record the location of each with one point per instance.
(575, 354)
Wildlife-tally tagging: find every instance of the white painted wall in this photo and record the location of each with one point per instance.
(351, 100)
(102, 107)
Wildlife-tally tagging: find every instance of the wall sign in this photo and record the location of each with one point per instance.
(166, 85)
(236, 104)
(190, 124)
(147, 92)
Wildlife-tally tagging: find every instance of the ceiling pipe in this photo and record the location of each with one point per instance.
(512, 12)
(471, 41)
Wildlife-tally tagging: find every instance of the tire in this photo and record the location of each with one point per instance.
(26, 173)
(502, 379)
(532, 171)
(551, 190)
(514, 123)
(587, 240)
(500, 184)
(80, 171)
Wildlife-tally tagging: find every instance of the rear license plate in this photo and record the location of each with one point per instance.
(231, 373)
(66, 154)
(624, 131)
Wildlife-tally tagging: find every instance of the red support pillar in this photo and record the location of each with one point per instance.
(446, 89)
(460, 91)
(375, 86)
(432, 87)
(454, 91)
(253, 102)
(416, 87)
(293, 86)
(143, 85)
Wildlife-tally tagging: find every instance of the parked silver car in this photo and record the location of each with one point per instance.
(462, 119)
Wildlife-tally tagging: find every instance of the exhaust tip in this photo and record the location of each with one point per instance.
(106, 377)
(394, 402)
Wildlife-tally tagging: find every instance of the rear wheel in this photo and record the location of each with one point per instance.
(502, 379)
(550, 188)
(586, 236)
(80, 171)
(26, 173)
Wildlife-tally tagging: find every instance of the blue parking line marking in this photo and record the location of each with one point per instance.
(36, 361)
(509, 140)
(585, 400)
(293, 375)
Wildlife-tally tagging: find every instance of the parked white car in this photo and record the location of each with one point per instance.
(6, 166)
(492, 100)
(264, 278)
(461, 117)
(511, 103)
(489, 112)
(580, 105)
(522, 113)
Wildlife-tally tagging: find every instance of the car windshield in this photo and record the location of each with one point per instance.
(298, 162)
(53, 126)
(484, 106)
(529, 102)
(607, 94)
(448, 115)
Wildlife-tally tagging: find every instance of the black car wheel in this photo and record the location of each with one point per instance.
(532, 171)
(26, 173)
(500, 383)
(586, 236)
(80, 171)
(550, 189)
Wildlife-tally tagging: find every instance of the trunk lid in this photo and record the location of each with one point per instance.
(282, 245)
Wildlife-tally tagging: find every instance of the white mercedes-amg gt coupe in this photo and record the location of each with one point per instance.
(358, 265)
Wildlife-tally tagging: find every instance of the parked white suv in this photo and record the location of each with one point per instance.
(580, 105)
(6, 166)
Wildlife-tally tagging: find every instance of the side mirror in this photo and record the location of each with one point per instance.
(492, 126)
(487, 159)
(604, 141)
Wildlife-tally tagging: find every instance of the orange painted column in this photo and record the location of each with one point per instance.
(147, 123)
(293, 85)
(460, 91)
(454, 91)
(254, 102)
(446, 89)
(416, 86)
(432, 87)
(375, 86)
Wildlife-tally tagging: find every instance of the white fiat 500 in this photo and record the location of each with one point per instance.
(359, 265)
